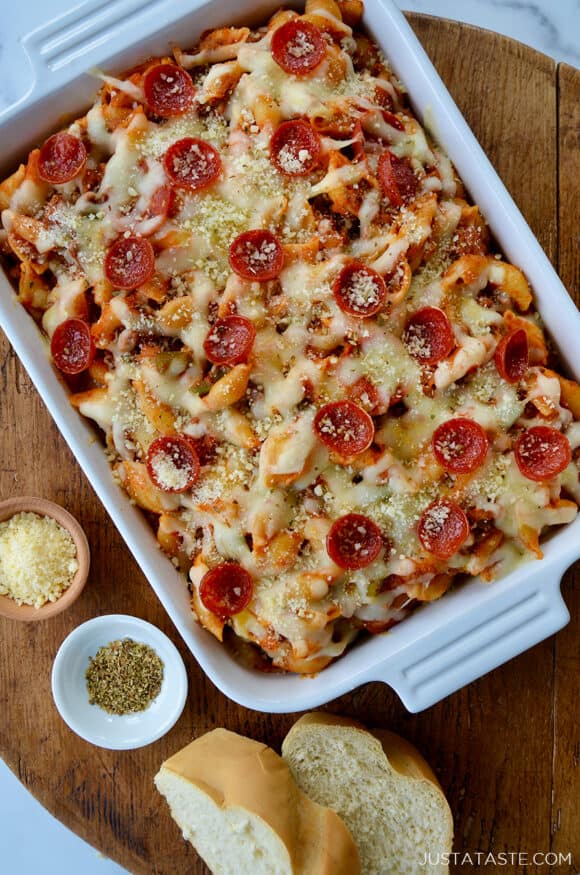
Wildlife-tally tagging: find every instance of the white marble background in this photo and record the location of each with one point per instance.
(31, 841)
(551, 26)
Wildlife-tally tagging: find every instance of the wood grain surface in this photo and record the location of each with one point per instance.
(506, 748)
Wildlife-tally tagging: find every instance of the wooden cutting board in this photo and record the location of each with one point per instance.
(506, 748)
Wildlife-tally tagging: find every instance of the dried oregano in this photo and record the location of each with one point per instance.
(124, 676)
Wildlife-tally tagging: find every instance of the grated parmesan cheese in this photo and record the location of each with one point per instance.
(37, 559)
(292, 161)
(169, 471)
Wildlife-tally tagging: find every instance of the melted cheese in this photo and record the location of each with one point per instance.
(270, 495)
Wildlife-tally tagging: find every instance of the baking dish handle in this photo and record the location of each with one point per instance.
(473, 642)
(79, 39)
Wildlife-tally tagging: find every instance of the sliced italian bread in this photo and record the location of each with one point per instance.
(235, 800)
(380, 786)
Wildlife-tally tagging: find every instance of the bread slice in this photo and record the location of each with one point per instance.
(380, 786)
(235, 800)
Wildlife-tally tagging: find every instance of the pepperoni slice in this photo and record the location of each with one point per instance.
(206, 448)
(257, 255)
(359, 290)
(160, 202)
(542, 453)
(169, 90)
(226, 590)
(61, 158)
(443, 528)
(511, 356)
(460, 445)
(156, 213)
(354, 541)
(397, 179)
(344, 427)
(72, 346)
(129, 262)
(383, 97)
(298, 47)
(230, 340)
(172, 463)
(429, 336)
(364, 393)
(192, 164)
(392, 120)
(295, 148)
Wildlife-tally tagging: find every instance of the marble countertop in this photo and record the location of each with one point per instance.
(551, 26)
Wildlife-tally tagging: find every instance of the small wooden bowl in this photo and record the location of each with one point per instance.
(43, 507)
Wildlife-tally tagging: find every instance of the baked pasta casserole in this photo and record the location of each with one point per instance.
(265, 283)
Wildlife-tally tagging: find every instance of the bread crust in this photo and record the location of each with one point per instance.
(238, 772)
(401, 755)
(404, 757)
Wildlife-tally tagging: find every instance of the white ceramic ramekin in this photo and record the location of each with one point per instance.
(93, 724)
(443, 646)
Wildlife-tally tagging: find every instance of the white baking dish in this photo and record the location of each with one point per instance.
(442, 646)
